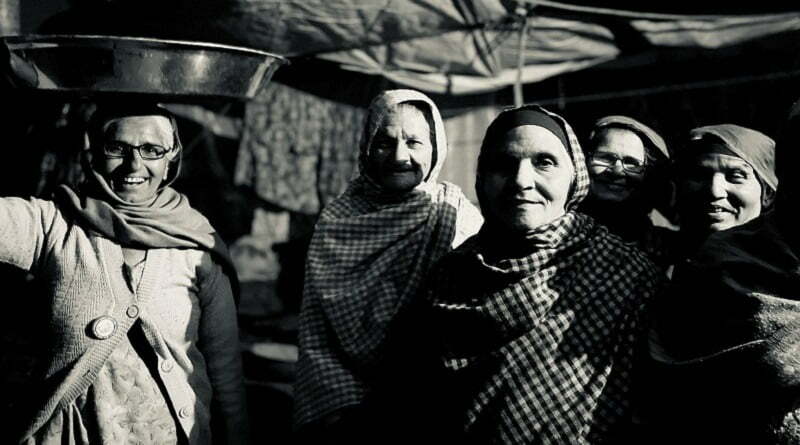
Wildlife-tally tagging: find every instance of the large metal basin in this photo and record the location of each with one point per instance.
(106, 64)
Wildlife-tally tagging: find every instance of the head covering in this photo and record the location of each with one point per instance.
(540, 346)
(107, 111)
(511, 118)
(525, 115)
(386, 103)
(653, 142)
(167, 220)
(753, 146)
(368, 257)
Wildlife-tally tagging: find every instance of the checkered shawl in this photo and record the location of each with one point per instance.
(367, 258)
(539, 348)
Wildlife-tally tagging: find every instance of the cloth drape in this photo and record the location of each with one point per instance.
(370, 252)
(165, 221)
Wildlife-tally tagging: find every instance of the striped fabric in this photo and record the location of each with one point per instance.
(367, 259)
(539, 348)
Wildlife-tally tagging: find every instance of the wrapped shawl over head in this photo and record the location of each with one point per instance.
(726, 336)
(653, 142)
(166, 220)
(537, 116)
(369, 254)
(539, 348)
(756, 148)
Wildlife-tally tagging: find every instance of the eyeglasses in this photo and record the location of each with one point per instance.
(117, 149)
(608, 160)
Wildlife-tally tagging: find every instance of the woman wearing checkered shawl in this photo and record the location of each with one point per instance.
(371, 250)
(539, 312)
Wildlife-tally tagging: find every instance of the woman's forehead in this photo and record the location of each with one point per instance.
(408, 118)
(620, 140)
(720, 161)
(526, 140)
(153, 129)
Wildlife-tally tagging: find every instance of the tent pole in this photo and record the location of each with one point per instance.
(522, 12)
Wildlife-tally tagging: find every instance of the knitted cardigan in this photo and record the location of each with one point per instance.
(184, 304)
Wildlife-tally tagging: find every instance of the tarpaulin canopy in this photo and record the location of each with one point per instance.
(451, 47)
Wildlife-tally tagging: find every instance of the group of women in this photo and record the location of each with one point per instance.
(558, 314)
(569, 317)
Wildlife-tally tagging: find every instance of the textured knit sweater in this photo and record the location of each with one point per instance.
(183, 302)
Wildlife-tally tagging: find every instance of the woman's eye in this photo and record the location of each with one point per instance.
(382, 144)
(737, 175)
(545, 161)
(500, 165)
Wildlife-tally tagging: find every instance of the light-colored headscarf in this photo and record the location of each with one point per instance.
(166, 220)
(654, 144)
(370, 252)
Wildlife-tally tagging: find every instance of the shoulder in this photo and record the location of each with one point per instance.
(755, 250)
(454, 259)
(349, 203)
(623, 257)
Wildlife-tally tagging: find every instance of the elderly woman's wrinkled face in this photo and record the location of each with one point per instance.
(617, 165)
(130, 176)
(525, 182)
(717, 192)
(401, 151)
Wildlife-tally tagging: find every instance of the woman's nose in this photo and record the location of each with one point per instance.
(134, 159)
(525, 176)
(617, 167)
(401, 153)
(718, 186)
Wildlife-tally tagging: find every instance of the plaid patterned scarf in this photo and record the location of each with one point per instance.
(539, 348)
(368, 256)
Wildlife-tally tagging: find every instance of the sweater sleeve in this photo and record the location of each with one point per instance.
(219, 342)
(25, 226)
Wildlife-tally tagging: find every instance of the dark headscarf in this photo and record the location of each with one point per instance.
(756, 148)
(535, 115)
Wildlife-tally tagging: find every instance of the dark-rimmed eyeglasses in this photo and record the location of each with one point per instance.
(608, 160)
(117, 149)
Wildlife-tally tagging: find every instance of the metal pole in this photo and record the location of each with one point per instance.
(519, 99)
(9, 17)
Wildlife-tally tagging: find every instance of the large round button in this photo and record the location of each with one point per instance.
(167, 365)
(185, 412)
(133, 311)
(103, 327)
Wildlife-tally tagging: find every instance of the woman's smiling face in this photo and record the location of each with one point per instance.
(616, 149)
(132, 178)
(717, 192)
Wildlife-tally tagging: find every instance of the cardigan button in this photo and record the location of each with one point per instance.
(167, 365)
(185, 412)
(133, 311)
(103, 327)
